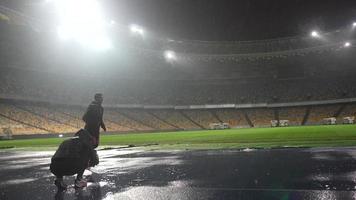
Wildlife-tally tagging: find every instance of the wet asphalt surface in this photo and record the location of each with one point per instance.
(314, 174)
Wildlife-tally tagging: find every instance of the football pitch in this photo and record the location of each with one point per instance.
(301, 136)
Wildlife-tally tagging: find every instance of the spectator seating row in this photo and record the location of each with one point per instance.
(36, 118)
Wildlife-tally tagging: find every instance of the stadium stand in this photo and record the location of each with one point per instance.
(244, 84)
(147, 119)
(349, 110)
(27, 117)
(295, 115)
(176, 118)
(35, 86)
(232, 116)
(30, 119)
(201, 117)
(18, 128)
(125, 121)
(51, 114)
(318, 113)
(260, 117)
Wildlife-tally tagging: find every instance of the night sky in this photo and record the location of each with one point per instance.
(224, 20)
(233, 19)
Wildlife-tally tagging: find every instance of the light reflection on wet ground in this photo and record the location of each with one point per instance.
(314, 174)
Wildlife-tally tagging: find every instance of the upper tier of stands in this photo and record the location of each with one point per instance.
(69, 89)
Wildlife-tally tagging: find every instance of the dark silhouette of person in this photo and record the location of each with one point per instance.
(73, 156)
(93, 118)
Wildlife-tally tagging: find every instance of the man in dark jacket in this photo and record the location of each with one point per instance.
(93, 118)
(73, 156)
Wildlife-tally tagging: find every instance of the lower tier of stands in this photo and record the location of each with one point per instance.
(24, 118)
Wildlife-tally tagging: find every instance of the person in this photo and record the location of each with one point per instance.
(72, 157)
(93, 118)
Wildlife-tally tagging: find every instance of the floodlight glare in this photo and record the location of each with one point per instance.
(170, 55)
(82, 21)
(64, 33)
(354, 24)
(347, 44)
(314, 34)
(137, 29)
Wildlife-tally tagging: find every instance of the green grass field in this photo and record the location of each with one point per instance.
(303, 136)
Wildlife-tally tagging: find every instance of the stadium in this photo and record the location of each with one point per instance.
(267, 117)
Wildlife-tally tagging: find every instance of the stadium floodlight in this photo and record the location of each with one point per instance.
(137, 29)
(347, 44)
(170, 55)
(314, 34)
(354, 25)
(82, 21)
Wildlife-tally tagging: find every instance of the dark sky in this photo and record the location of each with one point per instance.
(233, 19)
(225, 20)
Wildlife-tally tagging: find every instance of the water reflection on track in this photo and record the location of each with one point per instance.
(321, 173)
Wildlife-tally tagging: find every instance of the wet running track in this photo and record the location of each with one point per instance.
(312, 174)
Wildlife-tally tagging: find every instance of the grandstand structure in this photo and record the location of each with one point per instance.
(25, 117)
(45, 85)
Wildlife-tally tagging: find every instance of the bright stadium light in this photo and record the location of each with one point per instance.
(170, 55)
(347, 44)
(354, 24)
(83, 22)
(135, 29)
(314, 34)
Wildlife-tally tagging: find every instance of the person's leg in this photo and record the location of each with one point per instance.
(94, 132)
(80, 174)
(60, 183)
(60, 168)
(95, 141)
(94, 158)
(59, 177)
(59, 180)
(79, 181)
